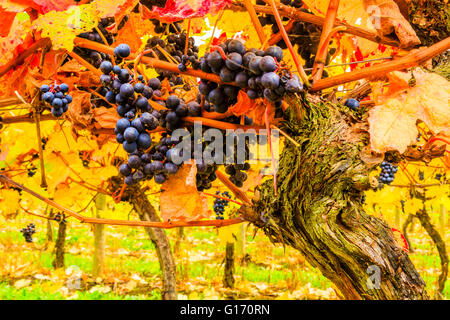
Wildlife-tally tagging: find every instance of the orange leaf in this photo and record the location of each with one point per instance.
(133, 30)
(252, 108)
(180, 200)
(105, 118)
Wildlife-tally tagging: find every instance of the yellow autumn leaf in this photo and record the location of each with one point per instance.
(63, 26)
(392, 126)
(413, 205)
(9, 201)
(431, 95)
(393, 123)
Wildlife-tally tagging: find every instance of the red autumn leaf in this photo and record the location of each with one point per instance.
(185, 9)
(42, 6)
(221, 39)
(7, 20)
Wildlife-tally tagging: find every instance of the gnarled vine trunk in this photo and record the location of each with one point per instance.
(317, 208)
(136, 196)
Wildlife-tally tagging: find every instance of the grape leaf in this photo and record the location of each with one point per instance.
(175, 10)
(7, 20)
(9, 201)
(393, 122)
(62, 27)
(180, 199)
(105, 118)
(253, 108)
(134, 30)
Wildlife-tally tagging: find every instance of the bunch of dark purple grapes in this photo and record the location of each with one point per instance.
(57, 97)
(145, 161)
(94, 57)
(220, 204)
(28, 232)
(255, 71)
(174, 44)
(388, 172)
(161, 27)
(60, 217)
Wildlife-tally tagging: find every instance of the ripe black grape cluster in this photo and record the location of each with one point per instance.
(28, 232)
(94, 57)
(220, 204)
(145, 161)
(31, 170)
(174, 45)
(60, 217)
(257, 72)
(237, 173)
(161, 27)
(388, 171)
(56, 96)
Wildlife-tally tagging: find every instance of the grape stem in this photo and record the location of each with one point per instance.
(411, 60)
(92, 220)
(279, 36)
(85, 64)
(256, 23)
(237, 192)
(298, 65)
(325, 37)
(152, 62)
(269, 137)
(223, 198)
(21, 58)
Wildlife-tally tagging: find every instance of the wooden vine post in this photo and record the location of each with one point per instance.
(99, 237)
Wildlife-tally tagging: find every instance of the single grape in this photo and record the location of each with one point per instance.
(234, 61)
(131, 134)
(144, 141)
(267, 64)
(270, 80)
(106, 67)
(160, 178)
(126, 90)
(129, 147)
(122, 50)
(236, 46)
(124, 169)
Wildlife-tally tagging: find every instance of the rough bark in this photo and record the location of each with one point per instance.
(147, 212)
(317, 209)
(426, 223)
(59, 246)
(405, 226)
(228, 277)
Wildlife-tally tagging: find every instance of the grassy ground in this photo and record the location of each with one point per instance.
(132, 268)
